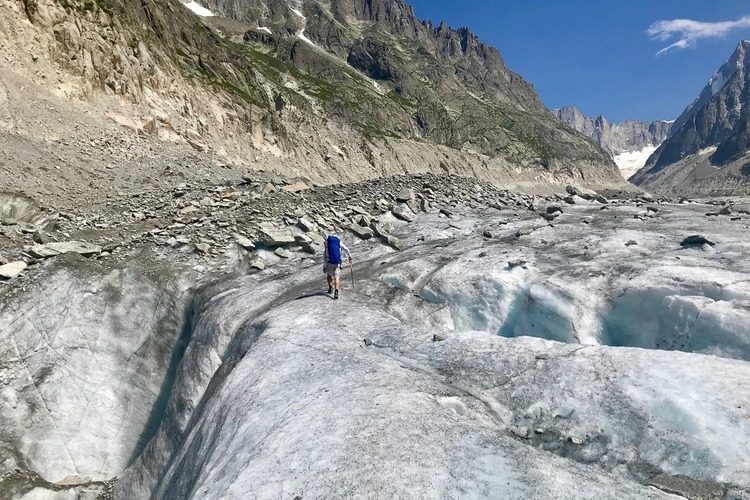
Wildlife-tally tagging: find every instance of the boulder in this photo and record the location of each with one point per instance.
(392, 241)
(382, 229)
(269, 188)
(403, 212)
(405, 195)
(58, 248)
(306, 243)
(687, 487)
(424, 205)
(696, 240)
(10, 271)
(295, 188)
(585, 193)
(280, 252)
(244, 242)
(359, 211)
(272, 236)
(305, 225)
(363, 232)
(202, 248)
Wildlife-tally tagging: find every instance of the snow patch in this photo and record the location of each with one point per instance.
(198, 9)
(299, 13)
(302, 37)
(708, 151)
(632, 161)
(263, 28)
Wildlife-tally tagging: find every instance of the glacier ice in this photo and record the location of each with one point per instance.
(463, 366)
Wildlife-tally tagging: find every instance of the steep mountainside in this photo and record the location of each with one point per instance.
(333, 91)
(707, 151)
(615, 138)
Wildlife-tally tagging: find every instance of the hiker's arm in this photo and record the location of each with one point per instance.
(345, 251)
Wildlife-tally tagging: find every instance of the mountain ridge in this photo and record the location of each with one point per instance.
(615, 138)
(271, 100)
(709, 144)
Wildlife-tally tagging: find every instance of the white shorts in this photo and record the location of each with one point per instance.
(333, 270)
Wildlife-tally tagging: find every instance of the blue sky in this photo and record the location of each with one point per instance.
(599, 55)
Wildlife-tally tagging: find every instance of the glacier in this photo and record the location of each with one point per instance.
(497, 355)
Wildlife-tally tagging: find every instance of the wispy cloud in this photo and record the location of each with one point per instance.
(689, 31)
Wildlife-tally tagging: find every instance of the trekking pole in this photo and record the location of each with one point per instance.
(351, 273)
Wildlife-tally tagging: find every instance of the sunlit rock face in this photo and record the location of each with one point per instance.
(708, 148)
(497, 355)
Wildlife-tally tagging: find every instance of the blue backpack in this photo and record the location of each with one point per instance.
(334, 250)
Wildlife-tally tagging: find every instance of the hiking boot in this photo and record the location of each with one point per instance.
(330, 289)
(336, 294)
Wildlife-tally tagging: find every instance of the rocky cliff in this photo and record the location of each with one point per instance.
(707, 151)
(332, 91)
(615, 138)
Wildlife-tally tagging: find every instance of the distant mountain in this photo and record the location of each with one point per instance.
(333, 90)
(615, 138)
(708, 151)
(630, 143)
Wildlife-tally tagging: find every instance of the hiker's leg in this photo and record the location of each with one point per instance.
(337, 283)
(329, 278)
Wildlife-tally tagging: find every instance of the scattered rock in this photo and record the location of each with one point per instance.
(424, 205)
(631, 243)
(487, 234)
(405, 195)
(524, 231)
(364, 233)
(585, 193)
(177, 242)
(518, 263)
(575, 440)
(273, 236)
(305, 225)
(446, 212)
(392, 241)
(40, 237)
(203, 248)
(258, 264)
(688, 487)
(727, 210)
(696, 240)
(10, 271)
(53, 249)
(15, 208)
(402, 212)
(244, 242)
(520, 431)
(269, 188)
(438, 338)
(280, 252)
(382, 229)
(296, 187)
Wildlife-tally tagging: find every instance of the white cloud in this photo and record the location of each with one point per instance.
(689, 31)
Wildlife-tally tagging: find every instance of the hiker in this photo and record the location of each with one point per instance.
(334, 248)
